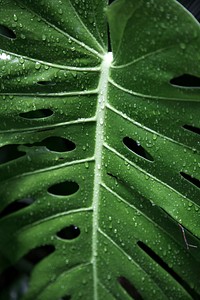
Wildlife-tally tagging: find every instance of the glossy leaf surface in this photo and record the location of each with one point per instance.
(99, 153)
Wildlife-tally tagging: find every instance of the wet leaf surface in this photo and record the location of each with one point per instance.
(99, 166)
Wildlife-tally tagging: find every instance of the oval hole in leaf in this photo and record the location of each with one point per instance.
(135, 147)
(65, 188)
(46, 83)
(58, 144)
(69, 233)
(15, 206)
(67, 297)
(186, 80)
(191, 179)
(129, 288)
(192, 128)
(37, 114)
(113, 176)
(37, 254)
(10, 152)
(169, 270)
(7, 32)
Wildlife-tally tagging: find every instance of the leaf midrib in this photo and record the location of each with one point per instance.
(100, 118)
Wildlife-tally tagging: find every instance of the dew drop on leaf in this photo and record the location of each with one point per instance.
(183, 46)
(15, 17)
(37, 66)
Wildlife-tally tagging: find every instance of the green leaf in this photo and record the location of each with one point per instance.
(99, 153)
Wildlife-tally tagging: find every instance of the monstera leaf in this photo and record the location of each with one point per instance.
(99, 150)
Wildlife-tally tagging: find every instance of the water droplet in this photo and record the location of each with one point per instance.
(155, 137)
(74, 74)
(37, 65)
(86, 165)
(183, 46)
(22, 36)
(21, 60)
(15, 17)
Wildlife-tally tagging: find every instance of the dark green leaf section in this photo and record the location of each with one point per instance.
(50, 58)
(54, 32)
(162, 46)
(30, 75)
(63, 111)
(99, 164)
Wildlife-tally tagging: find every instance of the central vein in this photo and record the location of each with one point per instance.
(100, 116)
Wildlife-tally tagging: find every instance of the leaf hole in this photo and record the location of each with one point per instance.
(129, 288)
(67, 297)
(7, 32)
(10, 152)
(136, 147)
(169, 270)
(37, 114)
(113, 176)
(37, 254)
(58, 144)
(46, 83)
(192, 128)
(65, 188)
(16, 206)
(191, 179)
(69, 233)
(186, 80)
